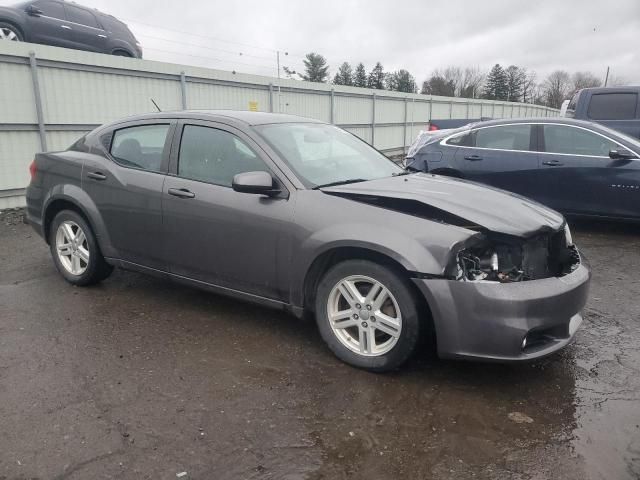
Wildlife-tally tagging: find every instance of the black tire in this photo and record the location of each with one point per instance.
(122, 53)
(401, 290)
(14, 29)
(97, 269)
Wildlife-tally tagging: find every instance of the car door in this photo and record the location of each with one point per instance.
(214, 234)
(87, 33)
(126, 187)
(502, 156)
(49, 25)
(575, 163)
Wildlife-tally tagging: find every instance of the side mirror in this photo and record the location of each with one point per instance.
(621, 154)
(33, 11)
(260, 183)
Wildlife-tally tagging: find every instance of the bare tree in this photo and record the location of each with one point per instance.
(557, 88)
(582, 80)
(471, 83)
(617, 81)
(530, 89)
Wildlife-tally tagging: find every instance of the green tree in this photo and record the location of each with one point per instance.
(376, 77)
(360, 76)
(401, 81)
(496, 86)
(316, 68)
(344, 76)
(516, 79)
(437, 85)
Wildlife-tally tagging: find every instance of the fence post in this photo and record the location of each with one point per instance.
(493, 109)
(38, 101)
(183, 90)
(373, 120)
(468, 109)
(430, 107)
(406, 118)
(332, 106)
(271, 97)
(451, 109)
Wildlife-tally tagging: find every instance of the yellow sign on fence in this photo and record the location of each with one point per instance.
(253, 106)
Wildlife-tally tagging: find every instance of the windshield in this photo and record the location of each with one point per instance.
(322, 154)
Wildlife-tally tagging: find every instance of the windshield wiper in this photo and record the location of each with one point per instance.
(399, 174)
(340, 182)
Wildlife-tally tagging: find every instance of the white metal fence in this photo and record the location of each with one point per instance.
(51, 96)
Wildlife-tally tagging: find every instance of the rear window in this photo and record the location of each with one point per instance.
(461, 140)
(613, 106)
(81, 16)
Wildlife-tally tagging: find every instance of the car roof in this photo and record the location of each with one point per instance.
(509, 121)
(239, 116)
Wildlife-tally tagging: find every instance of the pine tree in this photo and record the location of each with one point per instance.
(316, 68)
(376, 77)
(496, 87)
(344, 76)
(516, 78)
(401, 81)
(360, 76)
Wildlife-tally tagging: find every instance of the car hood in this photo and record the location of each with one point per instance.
(490, 208)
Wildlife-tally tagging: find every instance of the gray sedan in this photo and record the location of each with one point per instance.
(300, 215)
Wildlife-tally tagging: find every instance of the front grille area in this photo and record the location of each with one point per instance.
(514, 260)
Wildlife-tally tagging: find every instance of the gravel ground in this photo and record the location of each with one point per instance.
(141, 378)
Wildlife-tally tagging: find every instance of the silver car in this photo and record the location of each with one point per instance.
(302, 216)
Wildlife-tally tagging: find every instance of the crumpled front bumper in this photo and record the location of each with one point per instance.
(489, 321)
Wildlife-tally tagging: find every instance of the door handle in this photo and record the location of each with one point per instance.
(181, 192)
(473, 158)
(66, 27)
(553, 163)
(97, 175)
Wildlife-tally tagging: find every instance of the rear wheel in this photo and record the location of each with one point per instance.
(367, 314)
(75, 250)
(10, 32)
(122, 53)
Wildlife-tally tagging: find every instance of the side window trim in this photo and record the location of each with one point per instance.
(275, 170)
(542, 141)
(164, 165)
(474, 133)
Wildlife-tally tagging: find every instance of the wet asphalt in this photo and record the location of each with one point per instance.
(141, 378)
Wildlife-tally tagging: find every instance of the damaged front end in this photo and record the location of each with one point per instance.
(505, 259)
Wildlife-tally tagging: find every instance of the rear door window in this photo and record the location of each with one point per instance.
(141, 146)
(613, 106)
(505, 137)
(576, 141)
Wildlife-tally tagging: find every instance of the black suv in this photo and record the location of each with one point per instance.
(65, 24)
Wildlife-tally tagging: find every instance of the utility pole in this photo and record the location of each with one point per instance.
(606, 78)
(278, 62)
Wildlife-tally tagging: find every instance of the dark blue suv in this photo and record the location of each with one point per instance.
(65, 24)
(576, 167)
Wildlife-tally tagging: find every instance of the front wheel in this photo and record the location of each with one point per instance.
(75, 250)
(367, 314)
(9, 32)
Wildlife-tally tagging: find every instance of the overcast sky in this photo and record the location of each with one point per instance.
(418, 35)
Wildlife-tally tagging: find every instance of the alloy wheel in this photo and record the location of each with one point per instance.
(72, 248)
(364, 315)
(9, 34)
